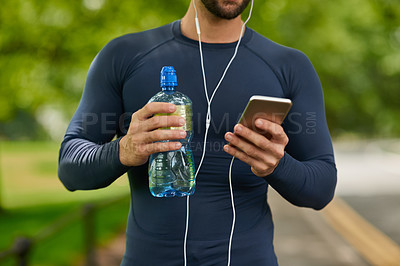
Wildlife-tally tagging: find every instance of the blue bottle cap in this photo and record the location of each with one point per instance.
(168, 77)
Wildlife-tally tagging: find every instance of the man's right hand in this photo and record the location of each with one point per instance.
(144, 134)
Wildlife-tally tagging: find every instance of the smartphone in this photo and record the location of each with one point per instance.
(271, 108)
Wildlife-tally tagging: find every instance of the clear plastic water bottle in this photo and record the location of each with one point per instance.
(172, 173)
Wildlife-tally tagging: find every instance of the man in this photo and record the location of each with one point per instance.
(297, 160)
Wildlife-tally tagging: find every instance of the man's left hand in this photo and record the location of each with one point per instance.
(261, 153)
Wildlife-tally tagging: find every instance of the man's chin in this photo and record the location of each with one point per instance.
(227, 9)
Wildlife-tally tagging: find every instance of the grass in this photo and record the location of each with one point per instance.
(29, 177)
(33, 198)
(67, 246)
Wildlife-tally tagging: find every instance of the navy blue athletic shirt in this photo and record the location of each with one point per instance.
(125, 75)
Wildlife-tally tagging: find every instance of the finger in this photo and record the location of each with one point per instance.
(252, 137)
(259, 168)
(274, 129)
(273, 148)
(161, 134)
(153, 108)
(235, 152)
(248, 148)
(156, 147)
(162, 121)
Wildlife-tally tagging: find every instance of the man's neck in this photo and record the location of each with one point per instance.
(213, 29)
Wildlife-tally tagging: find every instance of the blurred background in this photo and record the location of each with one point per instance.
(46, 48)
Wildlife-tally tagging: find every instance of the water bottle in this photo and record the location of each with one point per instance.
(172, 173)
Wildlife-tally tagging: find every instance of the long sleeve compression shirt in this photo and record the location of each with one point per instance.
(125, 75)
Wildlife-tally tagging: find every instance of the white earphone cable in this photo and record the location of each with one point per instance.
(208, 122)
(233, 212)
(234, 54)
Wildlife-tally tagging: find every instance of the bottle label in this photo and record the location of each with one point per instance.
(184, 111)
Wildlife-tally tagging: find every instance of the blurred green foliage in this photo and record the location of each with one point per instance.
(46, 48)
